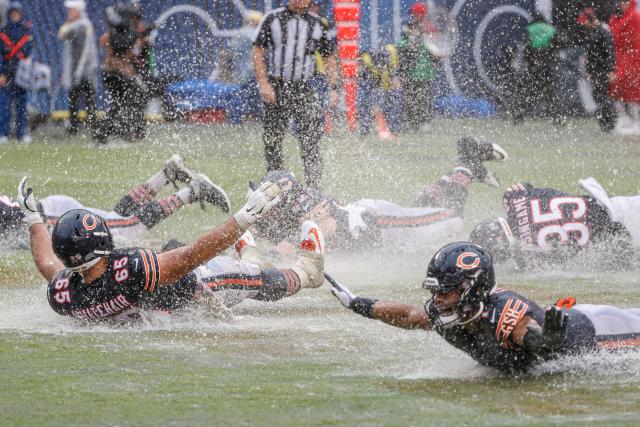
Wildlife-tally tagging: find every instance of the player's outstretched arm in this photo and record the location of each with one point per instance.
(45, 259)
(177, 263)
(406, 316)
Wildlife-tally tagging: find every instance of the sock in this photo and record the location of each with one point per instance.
(155, 211)
(293, 281)
(134, 200)
(157, 181)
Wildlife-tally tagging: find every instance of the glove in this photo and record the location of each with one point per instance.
(258, 203)
(28, 204)
(344, 295)
(552, 335)
(554, 332)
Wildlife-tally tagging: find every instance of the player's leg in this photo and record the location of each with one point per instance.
(200, 189)
(174, 170)
(276, 119)
(614, 327)
(450, 191)
(309, 120)
(408, 229)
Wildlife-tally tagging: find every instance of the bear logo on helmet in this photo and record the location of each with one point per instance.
(89, 226)
(468, 261)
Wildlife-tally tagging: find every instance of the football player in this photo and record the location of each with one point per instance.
(498, 327)
(135, 213)
(369, 222)
(544, 225)
(89, 279)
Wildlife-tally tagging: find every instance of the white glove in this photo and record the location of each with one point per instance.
(258, 203)
(344, 295)
(28, 204)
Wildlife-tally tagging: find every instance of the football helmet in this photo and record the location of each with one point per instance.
(494, 235)
(466, 267)
(80, 238)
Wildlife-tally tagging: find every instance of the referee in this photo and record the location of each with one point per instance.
(284, 59)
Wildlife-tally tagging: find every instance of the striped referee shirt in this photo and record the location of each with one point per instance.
(290, 41)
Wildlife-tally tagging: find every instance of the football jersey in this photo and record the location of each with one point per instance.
(119, 292)
(545, 219)
(489, 343)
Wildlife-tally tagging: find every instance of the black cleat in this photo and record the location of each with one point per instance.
(203, 190)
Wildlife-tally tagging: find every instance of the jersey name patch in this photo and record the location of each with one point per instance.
(513, 311)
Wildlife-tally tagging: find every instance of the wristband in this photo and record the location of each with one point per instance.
(363, 306)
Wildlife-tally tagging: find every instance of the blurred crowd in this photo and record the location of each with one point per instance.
(395, 81)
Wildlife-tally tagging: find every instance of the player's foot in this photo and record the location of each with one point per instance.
(474, 149)
(4, 140)
(26, 139)
(310, 264)
(175, 170)
(203, 190)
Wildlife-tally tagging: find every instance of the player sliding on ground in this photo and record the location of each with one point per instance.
(498, 327)
(136, 213)
(548, 226)
(369, 222)
(89, 279)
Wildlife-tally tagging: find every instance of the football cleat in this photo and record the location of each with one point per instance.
(203, 190)
(311, 238)
(310, 264)
(470, 148)
(175, 170)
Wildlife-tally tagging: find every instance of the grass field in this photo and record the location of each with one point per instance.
(305, 360)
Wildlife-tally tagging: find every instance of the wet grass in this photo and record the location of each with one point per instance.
(306, 361)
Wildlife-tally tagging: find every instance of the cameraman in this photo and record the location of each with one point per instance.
(122, 42)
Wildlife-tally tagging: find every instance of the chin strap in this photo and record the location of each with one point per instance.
(85, 266)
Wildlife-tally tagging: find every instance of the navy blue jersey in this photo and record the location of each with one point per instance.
(489, 342)
(548, 220)
(131, 274)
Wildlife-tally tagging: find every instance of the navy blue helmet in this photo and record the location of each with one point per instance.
(462, 266)
(80, 238)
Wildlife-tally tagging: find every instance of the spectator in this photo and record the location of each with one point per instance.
(625, 87)
(125, 115)
(417, 70)
(80, 63)
(15, 78)
(283, 82)
(379, 92)
(600, 65)
(540, 55)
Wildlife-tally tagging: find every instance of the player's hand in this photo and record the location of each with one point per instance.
(3, 80)
(554, 332)
(267, 94)
(344, 295)
(258, 203)
(28, 204)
